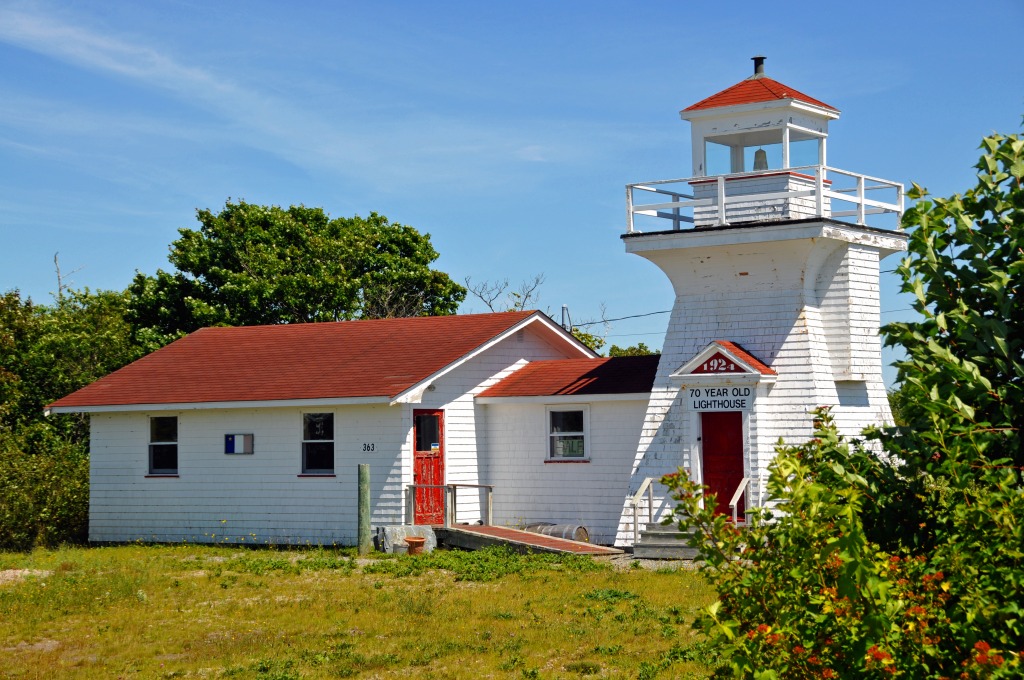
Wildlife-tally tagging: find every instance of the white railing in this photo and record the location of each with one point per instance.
(648, 487)
(451, 501)
(829, 185)
(735, 501)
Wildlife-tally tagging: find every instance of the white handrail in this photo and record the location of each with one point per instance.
(740, 490)
(451, 501)
(648, 486)
(721, 200)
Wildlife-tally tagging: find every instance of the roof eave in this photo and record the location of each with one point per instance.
(565, 398)
(414, 393)
(195, 406)
(734, 109)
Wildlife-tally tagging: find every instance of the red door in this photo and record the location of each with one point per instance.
(722, 464)
(428, 465)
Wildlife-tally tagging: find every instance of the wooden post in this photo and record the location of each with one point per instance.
(410, 505)
(721, 202)
(490, 499)
(364, 509)
(860, 199)
(450, 517)
(819, 191)
(785, 147)
(629, 209)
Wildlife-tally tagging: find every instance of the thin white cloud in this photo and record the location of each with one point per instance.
(388, 152)
(76, 45)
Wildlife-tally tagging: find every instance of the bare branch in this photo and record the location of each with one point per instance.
(524, 297)
(63, 283)
(487, 292)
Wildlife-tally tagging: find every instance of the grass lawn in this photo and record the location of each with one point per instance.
(224, 612)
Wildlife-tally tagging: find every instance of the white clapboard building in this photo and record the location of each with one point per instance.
(254, 434)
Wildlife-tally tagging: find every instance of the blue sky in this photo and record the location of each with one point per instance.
(506, 131)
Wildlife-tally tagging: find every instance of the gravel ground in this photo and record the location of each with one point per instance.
(626, 562)
(12, 575)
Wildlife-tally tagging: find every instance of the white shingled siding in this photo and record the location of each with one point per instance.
(464, 436)
(806, 307)
(787, 208)
(529, 489)
(261, 497)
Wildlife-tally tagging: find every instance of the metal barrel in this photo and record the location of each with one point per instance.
(573, 532)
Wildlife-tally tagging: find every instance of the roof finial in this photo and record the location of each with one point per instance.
(758, 65)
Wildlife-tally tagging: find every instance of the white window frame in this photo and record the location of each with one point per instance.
(549, 439)
(306, 470)
(163, 443)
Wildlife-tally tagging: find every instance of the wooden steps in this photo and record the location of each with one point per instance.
(663, 543)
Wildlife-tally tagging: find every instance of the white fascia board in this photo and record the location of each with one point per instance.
(566, 398)
(208, 405)
(414, 393)
(738, 109)
(716, 379)
(886, 241)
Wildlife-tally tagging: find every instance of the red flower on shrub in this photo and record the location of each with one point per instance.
(877, 655)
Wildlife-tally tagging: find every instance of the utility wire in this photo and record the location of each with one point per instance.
(622, 318)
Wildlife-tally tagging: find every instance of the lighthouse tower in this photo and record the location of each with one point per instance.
(774, 257)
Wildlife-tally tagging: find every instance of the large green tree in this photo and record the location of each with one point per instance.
(251, 264)
(49, 351)
(911, 564)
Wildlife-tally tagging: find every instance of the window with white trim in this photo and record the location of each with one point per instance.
(318, 443)
(567, 433)
(163, 445)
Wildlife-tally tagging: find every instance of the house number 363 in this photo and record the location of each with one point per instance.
(368, 447)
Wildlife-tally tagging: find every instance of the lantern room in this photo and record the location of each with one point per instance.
(757, 124)
(759, 154)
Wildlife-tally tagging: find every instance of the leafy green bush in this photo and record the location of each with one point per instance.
(45, 482)
(908, 565)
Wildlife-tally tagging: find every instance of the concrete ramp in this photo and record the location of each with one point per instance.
(472, 537)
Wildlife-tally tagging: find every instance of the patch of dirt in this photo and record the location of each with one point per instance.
(39, 646)
(17, 575)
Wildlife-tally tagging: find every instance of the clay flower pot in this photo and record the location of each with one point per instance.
(415, 544)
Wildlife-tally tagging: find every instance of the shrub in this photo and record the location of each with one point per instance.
(908, 565)
(45, 482)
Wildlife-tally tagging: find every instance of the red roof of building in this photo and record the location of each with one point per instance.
(606, 375)
(746, 357)
(752, 91)
(378, 358)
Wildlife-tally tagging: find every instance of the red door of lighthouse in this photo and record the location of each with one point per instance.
(428, 465)
(722, 461)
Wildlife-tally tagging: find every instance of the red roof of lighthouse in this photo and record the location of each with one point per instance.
(747, 357)
(752, 91)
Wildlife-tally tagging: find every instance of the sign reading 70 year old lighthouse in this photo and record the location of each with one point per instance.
(720, 398)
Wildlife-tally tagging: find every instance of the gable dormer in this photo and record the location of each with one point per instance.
(724, 362)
